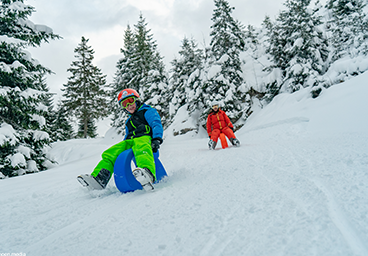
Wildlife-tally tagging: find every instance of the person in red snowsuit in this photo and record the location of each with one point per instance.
(218, 122)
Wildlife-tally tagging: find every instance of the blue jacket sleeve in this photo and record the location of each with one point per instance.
(154, 121)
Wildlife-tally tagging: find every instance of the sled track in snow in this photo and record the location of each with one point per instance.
(303, 177)
(305, 165)
(339, 218)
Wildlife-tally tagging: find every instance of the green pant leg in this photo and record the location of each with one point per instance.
(143, 153)
(109, 157)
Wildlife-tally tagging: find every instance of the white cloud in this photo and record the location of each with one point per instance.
(159, 7)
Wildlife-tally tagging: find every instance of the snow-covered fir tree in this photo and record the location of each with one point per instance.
(48, 102)
(254, 60)
(186, 78)
(251, 37)
(22, 113)
(149, 71)
(347, 30)
(224, 81)
(61, 128)
(141, 68)
(85, 95)
(87, 130)
(123, 79)
(298, 46)
(273, 76)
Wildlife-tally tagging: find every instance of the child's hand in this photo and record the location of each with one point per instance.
(155, 144)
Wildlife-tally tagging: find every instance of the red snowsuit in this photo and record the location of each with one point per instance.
(218, 122)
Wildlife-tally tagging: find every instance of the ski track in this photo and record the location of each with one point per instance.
(268, 197)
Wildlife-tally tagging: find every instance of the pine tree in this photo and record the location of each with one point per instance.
(61, 129)
(348, 28)
(273, 77)
(88, 130)
(22, 112)
(123, 79)
(84, 95)
(48, 108)
(297, 46)
(186, 80)
(251, 37)
(254, 63)
(141, 68)
(227, 33)
(149, 70)
(225, 82)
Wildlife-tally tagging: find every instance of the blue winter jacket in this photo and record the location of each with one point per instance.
(144, 121)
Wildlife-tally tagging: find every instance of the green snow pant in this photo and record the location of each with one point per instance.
(142, 151)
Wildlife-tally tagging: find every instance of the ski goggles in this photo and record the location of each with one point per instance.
(215, 106)
(126, 102)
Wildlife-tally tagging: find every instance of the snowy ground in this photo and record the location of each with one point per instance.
(298, 185)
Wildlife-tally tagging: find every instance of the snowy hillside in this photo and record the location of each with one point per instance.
(298, 185)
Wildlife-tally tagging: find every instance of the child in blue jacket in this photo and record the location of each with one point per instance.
(143, 135)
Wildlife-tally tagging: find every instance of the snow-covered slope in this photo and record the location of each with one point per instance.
(298, 185)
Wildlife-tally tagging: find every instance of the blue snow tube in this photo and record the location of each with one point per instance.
(123, 176)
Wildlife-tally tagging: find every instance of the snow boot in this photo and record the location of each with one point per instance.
(212, 145)
(235, 142)
(99, 182)
(144, 177)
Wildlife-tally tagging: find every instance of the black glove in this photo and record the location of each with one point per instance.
(155, 144)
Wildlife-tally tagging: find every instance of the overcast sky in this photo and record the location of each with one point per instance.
(103, 22)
